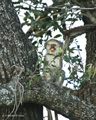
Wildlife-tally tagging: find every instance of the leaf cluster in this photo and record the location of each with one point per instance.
(43, 20)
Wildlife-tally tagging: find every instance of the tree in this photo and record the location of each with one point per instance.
(21, 94)
(14, 60)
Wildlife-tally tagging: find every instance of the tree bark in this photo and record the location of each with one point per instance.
(88, 91)
(52, 96)
(14, 55)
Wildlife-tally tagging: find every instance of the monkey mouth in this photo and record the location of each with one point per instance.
(52, 50)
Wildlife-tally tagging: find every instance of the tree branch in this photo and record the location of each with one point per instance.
(79, 30)
(51, 96)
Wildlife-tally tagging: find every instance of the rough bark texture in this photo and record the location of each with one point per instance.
(53, 97)
(88, 92)
(14, 55)
(14, 45)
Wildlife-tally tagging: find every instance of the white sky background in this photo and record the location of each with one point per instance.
(81, 41)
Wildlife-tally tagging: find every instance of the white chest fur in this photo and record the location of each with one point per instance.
(53, 61)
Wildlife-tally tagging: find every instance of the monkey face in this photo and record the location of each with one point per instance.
(52, 46)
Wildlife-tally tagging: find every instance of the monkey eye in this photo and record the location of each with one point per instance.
(48, 45)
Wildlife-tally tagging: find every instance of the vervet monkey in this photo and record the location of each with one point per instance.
(53, 61)
(53, 66)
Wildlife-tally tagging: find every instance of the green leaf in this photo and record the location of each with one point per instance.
(49, 70)
(69, 68)
(45, 63)
(72, 19)
(34, 43)
(35, 78)
(53, 65)
(40, 41)
(28, 84)
(58, 35)
(49, 33)
(29, 71)
(66, 58)
(60, 50)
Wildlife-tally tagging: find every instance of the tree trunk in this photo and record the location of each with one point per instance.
(88, 92)
(14, 56)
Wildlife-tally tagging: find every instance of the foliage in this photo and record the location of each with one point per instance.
(43, 21)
